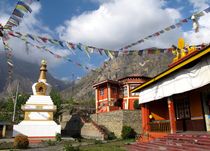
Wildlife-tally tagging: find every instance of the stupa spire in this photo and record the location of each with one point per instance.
(43, 71)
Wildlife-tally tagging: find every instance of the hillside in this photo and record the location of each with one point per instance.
(149, 65)
(24, 72)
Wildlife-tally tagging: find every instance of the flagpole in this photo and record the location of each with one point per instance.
(15, 103)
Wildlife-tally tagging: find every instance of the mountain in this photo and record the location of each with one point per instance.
(124, 65)
(26, 74)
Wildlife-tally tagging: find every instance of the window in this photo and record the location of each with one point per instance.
(182, 109)
(125, 91)
(131, 88)
(101, 91)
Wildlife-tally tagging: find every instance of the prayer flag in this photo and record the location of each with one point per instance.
(13, 21)
(79, 46)
(61, 43)
(30, 36)
(184, 20)
(43, 39)
(167, 28)
(172, 26)
(207, 10)
(100, 51)
(18, 13)
(87, 52)
(21, 8)
(25, 6)
(71, 45)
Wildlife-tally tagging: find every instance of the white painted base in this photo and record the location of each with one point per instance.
(37, 128)
(40, 99)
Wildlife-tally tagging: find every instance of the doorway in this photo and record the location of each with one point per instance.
(182, 108)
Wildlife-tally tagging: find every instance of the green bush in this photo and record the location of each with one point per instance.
(128, 132)
(50, 142)
(21, 142)
(98, 142)
(69, 147)
(58, 137)
(111, 136)
(136, 104)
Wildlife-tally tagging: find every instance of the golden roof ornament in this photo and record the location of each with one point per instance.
(182, 50)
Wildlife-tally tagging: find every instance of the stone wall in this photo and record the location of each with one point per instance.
(115, 120)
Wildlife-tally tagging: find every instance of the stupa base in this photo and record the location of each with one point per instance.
(37, 129)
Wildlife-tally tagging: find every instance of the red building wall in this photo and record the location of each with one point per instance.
(105, 96)
(116, 93)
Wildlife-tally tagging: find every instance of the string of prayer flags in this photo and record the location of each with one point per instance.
(171, 27)
(87, 49)
(22, 7)
(8, 52)
(54, 54)
(71, 46)
(64, 44)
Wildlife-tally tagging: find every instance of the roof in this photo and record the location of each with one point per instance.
(173, 69)
(106, 81)
(134, 76)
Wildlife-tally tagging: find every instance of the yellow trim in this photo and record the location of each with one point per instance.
(204, 52)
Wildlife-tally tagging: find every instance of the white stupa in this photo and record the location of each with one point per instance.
(38, 111)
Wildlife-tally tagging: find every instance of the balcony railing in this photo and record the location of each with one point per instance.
(160, 126)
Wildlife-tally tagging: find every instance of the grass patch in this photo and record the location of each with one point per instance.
(118, 145)
(6, 145)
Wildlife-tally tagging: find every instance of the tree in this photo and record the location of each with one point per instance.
(7, 108)
(57, 101)
(21, 100)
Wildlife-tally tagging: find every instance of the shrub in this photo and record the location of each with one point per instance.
(128, 132)
(50, 142)
(69, 147)
(111, 136)
(98, 142)
(136, 104)
(58, 137)
(21, 142)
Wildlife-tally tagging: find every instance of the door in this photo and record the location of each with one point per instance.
(182, 108)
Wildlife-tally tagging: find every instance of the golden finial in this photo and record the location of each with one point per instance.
(43, 70)
(182, 50)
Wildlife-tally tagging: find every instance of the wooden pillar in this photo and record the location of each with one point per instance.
(172, 115)
(108, 97)
(96, 97)
(145, 118)
(142, 117)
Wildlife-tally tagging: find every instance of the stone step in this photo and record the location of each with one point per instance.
(184, 145)
(204, 141)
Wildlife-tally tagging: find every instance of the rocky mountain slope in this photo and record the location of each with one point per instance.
(25, 73)
(82, 90)
(148, 65)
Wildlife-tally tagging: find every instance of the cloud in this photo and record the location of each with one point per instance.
(199, 5)
(33, 25)
(204, 30)
(117, 23)
(203, 35)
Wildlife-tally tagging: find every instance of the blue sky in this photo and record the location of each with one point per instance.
(104, 23)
